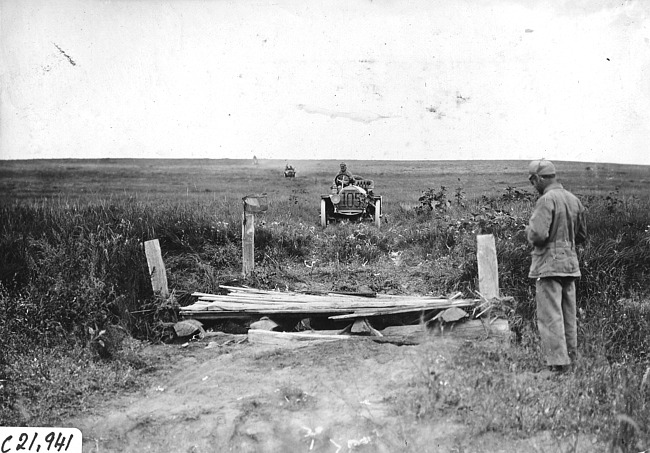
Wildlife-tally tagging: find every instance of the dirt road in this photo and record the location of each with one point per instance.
(330, 397)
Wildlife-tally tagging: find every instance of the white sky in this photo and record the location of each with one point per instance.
(295, 79)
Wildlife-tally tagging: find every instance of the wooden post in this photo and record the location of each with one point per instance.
(488, 271)
(252, 204)
(156, 268)
(248, 242)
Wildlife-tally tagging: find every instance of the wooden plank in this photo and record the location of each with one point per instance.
(399, 310)
(235, 292)
(350, 310)
(488, 272)
(236, 300)
(251, 302)
(369, 303)
(236, 289)
(269, 312)
(290, 338)
(348, 293)
(291, 297)
(248, 243)
(359, 303)
(156, 268)
(336, 312)
(270, 296)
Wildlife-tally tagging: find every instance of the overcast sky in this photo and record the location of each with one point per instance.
(290, 79)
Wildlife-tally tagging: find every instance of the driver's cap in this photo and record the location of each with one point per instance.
(541, 167)
(343, 164)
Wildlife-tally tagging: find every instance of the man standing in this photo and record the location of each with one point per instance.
(554, 229)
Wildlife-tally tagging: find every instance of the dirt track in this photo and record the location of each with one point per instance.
(333, 397)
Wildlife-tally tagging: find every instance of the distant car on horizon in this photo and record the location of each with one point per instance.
(289, 171)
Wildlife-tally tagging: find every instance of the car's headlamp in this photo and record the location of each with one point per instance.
(335, 198)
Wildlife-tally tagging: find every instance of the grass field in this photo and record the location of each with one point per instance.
(71, 258)
(401, 182)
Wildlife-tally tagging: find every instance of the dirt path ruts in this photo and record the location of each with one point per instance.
(332, 397)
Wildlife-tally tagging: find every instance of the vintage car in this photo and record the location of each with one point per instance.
(352, 201)
(289, 172)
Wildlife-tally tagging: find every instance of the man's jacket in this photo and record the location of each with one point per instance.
(556, 226)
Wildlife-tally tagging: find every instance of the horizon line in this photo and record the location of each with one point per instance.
(303, 159)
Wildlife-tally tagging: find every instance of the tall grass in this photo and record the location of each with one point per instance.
(76, 265)
(68, 266)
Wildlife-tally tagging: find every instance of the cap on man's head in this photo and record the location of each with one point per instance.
(343, 164)
(541, 167)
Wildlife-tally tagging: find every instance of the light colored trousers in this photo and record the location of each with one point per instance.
(556, 318)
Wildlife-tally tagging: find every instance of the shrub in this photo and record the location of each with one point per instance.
(434, 200)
